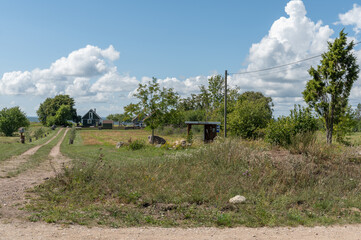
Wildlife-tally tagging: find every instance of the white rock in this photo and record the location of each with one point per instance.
(119, 144)
(237, 199)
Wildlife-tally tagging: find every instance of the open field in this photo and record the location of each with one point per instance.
(111, 137)
(11, 146)
(191, 187)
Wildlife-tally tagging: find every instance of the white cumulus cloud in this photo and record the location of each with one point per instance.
(290, 39)
(352, 17)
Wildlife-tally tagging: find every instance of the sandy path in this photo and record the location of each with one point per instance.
(27, 231)
(13, 190)
(14, 162)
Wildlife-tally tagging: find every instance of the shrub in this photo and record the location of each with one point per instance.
(292, 129)
(136, 145)
(72, 135)
(252, 113)
(38, 133)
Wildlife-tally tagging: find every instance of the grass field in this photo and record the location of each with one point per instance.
(11, 146)
(191, 187)
(111, 137)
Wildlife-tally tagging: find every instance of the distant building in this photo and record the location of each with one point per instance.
(91, 118)
(108, 124)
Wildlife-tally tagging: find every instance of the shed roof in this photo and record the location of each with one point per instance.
(202, 123)
(108, 121)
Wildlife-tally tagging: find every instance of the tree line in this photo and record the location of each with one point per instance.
(250, 114)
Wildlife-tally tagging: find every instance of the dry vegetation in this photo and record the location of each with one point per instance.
(191, 187)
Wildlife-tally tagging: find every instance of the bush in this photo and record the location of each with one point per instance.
(38, 133)
(292, 129)
(11, 119)
(252, 113)
(72, 135)
(136, 145)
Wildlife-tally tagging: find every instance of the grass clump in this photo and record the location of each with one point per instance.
(192, 188)
(136, 145)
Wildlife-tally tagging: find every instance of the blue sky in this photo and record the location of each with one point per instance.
(99, 51)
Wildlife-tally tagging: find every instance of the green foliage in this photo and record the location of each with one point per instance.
(50, 108)
(61, 116)
(284, 129)
(120, 117)
(38, 133)
(328, 90)
(346, 125)
(190, 137)
(252, 112)
(72, 134)
(156, 103)
(11, 119)
(136, 145)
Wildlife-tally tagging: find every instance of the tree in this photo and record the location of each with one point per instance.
(251, 113)
(11, 119)
(328, 90)
(50, 107)
(61, 116)
(155, 103)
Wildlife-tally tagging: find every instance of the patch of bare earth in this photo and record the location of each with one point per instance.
(13, 223)
(16, 161)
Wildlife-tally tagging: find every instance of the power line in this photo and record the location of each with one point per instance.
(283, 65)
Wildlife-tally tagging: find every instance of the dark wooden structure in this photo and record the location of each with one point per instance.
(91, 118)
(210, 129)
(108, 124)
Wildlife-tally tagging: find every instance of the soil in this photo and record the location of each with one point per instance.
(14, 224)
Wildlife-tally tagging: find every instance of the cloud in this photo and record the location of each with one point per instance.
(70, 75)
(290, 39)
(352, 17)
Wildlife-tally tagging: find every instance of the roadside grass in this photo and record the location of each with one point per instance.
(159, 187)
(11, 146)
(36, 159)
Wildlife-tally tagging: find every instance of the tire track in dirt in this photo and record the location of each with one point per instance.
(14, 162)
(13, 193)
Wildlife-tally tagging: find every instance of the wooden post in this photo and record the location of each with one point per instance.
(225, 104)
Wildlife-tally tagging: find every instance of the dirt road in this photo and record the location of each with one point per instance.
(41, 231)
(13, 190)
(15, 226)
(14, 162)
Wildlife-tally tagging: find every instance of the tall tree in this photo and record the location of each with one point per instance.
(11, 119)
(328, 90)
(50, 107)
(156, 103)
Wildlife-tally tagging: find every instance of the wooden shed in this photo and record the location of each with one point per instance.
(108, 124)
(210, 129)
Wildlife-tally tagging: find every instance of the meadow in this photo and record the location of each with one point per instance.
(192, 186)
(10, 146)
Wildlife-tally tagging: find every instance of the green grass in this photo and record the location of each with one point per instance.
(160, 187)
(11, 146)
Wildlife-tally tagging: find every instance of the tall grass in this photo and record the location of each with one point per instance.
(193, 188)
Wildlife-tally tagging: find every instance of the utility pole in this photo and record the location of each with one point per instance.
(225, 104)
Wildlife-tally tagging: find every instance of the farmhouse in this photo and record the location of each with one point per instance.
(138, 121)
(91, 118)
